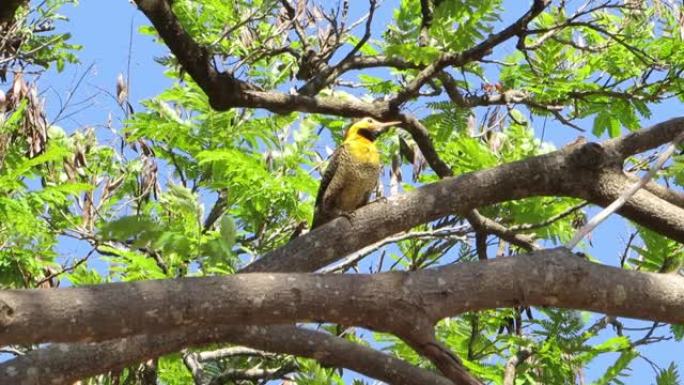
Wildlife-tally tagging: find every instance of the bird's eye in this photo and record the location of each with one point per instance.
(369, 120)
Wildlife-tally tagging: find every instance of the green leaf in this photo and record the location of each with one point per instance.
(678, 331)
(613, 344)
(618, 369)
(127, 227)
(51, 154)
(669, 376)
(227, 230)
(82, 276)
(614, 127)
(366, 49)
(172, 370)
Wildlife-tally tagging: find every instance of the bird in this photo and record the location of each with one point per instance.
(352, 172)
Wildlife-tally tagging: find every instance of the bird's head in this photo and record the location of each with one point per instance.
(368, 128)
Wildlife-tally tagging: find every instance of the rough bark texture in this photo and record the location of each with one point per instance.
(96, 313)
(395, 302)
(74, 361)
(184, 312)
(589, 171)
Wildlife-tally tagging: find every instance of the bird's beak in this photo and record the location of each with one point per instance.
(382, 127)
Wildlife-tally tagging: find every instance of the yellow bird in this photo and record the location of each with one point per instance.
(352, 173)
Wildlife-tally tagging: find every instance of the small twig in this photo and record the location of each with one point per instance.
(366, 35)
(557, 217)
(72, 93)
(351, 259)
(565, 120)
(292, 15)
(623, 258)
(613, 207)
(489, 226)
(65, 269)
(216, 211)
(228, 30)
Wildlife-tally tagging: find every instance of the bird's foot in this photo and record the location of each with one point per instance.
(350, 215)
(382, 199)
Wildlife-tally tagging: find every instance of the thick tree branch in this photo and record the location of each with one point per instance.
(591, 172)
(662, 192)
(646, 139)
(569, 169)
(626, 194)
(64, 363)
(422, 339)
(394, 302)
(644, 207)
(194, 59)
(421, 136)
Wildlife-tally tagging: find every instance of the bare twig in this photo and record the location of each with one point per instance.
(550, 220)
(450, 232)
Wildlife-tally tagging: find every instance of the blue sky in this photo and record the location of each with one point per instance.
(103, 28)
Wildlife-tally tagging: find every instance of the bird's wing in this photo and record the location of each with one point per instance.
(327, 177)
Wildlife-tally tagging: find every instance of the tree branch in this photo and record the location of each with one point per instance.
(627, 194)
(394, 302)
(425, 21)
(492, 227)
(512, 364)
(194, 59)
(253, 374)
(646, 139)
(77, 361)
(578, 170)
(591, 171)
(319, 82)
(467, 56)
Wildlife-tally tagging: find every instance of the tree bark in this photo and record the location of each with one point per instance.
(7, 11)
(394, 302)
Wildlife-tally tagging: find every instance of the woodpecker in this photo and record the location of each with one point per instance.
(352, 172)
